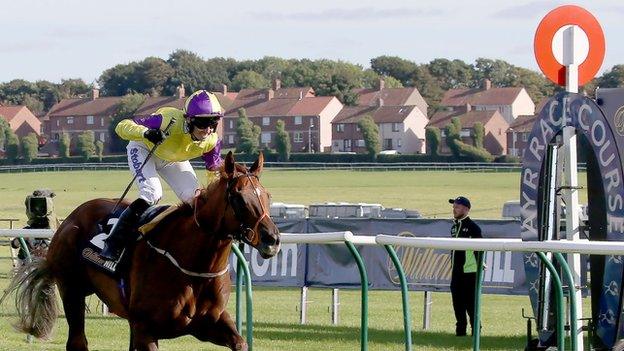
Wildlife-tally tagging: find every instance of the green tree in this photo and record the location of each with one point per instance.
(248, 134)
(453, 130)
(12, 148)
(478, 134)
(282, 141)
(370, 133)
(433, 138)
(99, 149)
(394, 66)
(64, 145)
(85, 144)
(127, 107)
(120, 80)
(30, 146)
(4, 129)
(195, 72)
(613, 78)
(151, 76)
(451, 74)
(249, 79)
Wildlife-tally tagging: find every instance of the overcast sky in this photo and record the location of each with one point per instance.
(56, 39)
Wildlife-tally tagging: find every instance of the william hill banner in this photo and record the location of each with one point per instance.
(311, 265)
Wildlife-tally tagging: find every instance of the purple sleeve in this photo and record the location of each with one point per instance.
(152, 121)
(212, 158)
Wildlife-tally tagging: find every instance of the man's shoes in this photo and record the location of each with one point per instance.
(459, 331)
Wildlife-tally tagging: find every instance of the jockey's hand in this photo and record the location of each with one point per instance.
(154, 135)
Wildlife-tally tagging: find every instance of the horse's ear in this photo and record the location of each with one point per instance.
(229, 164)
(256, 168)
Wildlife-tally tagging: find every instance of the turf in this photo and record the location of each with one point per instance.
(276, 310)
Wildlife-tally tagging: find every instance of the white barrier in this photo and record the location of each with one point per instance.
(27, 233)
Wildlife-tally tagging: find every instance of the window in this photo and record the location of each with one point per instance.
(56, 135)
(360, 143)
(465, 133)
(58, 122)
(70, 120)
(101, 121)
(265, 138)
(298, 120)
(266, 121)
(230, 138)
(387, 144)
(298, 137)
(500, 131)
(347, 144)
(525, 137)
(90, 120)
(340, 127)
(232, 124)
(357, 127)
(399, 143)
(102, 137)
(395, 127)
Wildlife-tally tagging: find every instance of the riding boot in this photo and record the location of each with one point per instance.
(124, 231)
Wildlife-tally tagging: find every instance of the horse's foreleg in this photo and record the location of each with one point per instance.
(141, 340)
(222, 332)
(74, 305)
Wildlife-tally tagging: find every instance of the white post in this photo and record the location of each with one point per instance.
(571, 56)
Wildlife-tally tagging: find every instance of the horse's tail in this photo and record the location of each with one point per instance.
(35, 298)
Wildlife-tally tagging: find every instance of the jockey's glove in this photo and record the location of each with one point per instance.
(154, 135)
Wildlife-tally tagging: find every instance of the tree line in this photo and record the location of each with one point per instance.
(156, 76)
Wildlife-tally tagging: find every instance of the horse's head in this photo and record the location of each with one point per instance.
(250, 203)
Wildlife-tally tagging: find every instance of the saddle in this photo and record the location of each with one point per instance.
(147, 222)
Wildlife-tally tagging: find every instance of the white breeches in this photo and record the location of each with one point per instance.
(179, 175)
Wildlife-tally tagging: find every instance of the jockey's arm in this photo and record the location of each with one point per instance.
(134, 129)
(213, 161)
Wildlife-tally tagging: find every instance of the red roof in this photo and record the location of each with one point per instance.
(310, 106)
(492, 96)
(442, 118)
(283, 102)
(8, 112)
(390, 96)
(104, 106)
(383, 114)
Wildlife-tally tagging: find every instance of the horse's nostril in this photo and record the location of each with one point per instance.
(268, 239)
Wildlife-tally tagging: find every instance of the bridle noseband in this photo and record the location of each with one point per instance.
(245, 233)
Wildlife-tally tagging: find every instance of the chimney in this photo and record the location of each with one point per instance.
(467, 107)
(224, 89)
(300, 94)
(380, 101)
(270, 94)
(277, 84)
(487, 84)
(382, 84)
(180, 91)
(95, 91)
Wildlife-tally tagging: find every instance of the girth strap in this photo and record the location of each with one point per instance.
(185, 271)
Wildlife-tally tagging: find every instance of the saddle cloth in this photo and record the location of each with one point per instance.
(147, 222)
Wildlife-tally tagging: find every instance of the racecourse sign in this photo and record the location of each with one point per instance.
(606, 202)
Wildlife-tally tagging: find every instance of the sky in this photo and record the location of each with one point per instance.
(62, 39)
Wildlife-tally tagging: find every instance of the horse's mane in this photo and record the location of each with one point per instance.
(187, 209)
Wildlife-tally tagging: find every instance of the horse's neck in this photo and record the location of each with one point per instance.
(202, 248)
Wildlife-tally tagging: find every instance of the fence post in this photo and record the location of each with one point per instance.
(407, 321)
(364, 303)
(558, 300)
(249, 300)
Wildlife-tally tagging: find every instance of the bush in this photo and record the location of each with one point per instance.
(507, 159)
(64, 145)
(86, 144)
(30, 146)
(12, 148)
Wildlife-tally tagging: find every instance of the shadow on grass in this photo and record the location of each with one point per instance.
(279, 331)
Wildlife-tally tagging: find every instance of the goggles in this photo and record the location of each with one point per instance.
(203, 122)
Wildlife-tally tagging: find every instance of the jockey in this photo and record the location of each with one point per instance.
(192, 133)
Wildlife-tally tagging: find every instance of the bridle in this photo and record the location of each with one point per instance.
(245, 233)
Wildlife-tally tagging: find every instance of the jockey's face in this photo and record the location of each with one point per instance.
(201, 134)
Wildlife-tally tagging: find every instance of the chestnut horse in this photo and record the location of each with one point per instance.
(176, 281)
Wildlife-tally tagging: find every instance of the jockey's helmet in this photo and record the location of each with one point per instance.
(202, 109)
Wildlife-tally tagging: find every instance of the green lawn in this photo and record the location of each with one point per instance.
(276, 310)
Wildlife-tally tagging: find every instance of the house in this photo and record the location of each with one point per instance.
(153, 103)
(401, 128)
(518, 135)
(510, 102)
(307, 117)
(494, 124)
(77, 115)
(21, 120)
(400, 114)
